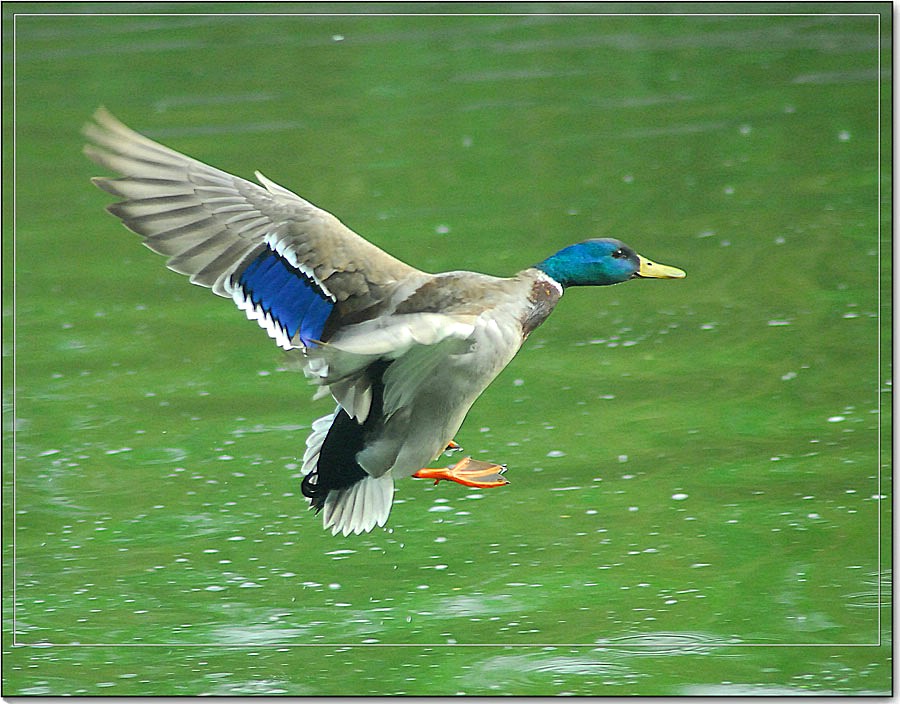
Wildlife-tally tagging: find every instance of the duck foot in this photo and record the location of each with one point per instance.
(468, 472)
(452, 446)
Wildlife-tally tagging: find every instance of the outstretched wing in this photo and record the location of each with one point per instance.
(288, 264)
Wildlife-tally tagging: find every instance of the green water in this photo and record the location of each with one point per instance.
(700, 469)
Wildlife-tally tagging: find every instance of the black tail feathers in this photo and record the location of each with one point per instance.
(337, 467)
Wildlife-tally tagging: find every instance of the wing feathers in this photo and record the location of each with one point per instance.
(212, 225)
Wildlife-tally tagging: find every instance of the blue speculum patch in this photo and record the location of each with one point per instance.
(292, 298)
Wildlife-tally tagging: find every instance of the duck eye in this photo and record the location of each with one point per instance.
(619, 254)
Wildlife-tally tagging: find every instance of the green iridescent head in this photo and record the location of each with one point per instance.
(602, 262)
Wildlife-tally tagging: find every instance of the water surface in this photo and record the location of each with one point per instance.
(700, 468)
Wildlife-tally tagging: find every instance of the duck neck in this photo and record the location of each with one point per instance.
(544, 295)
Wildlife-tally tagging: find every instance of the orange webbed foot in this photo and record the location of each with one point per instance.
(468, 472)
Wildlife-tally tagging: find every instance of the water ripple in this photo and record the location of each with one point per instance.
(508, 671)
(873, 598)
(667, 643)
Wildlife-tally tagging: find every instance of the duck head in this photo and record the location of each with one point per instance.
(602, 262)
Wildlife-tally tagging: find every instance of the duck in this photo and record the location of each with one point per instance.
(404, 354)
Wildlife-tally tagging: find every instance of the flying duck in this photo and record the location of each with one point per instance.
(403, 353)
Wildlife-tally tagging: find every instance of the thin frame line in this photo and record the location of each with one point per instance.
(611, 646)
(878, 343)
(879, 500)
(448, 14)
(15, 363)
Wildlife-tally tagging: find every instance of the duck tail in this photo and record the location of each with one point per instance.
(359, 508)
(351, 500)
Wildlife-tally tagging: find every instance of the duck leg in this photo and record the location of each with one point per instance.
(468, 472)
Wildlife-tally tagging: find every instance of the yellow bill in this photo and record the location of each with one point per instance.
(652, 270)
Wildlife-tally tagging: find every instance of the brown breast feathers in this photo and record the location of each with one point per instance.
(543, 298)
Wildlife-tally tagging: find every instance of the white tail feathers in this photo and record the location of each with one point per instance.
(314, 442)
(358, 508)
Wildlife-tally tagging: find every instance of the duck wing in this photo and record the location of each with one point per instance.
(287, 263)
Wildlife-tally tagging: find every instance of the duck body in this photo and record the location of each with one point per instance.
(403, 353)
(421, 393)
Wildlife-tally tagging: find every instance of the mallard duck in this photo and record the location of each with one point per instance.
(403, 353)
